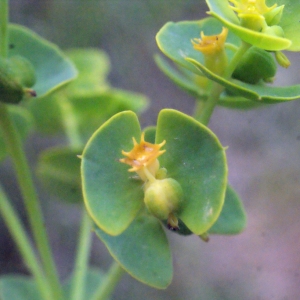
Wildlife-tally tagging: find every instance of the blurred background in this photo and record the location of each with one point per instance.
(262, 263)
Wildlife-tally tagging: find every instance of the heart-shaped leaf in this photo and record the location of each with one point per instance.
(174, 40)
(111, 196)
(142, 250)
(232, 219)
(187, 81)
(196, 159)
(258, 92)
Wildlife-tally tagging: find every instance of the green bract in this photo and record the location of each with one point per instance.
(267, 40)
(258, 92)
(187, 81)
(174, 40)
(194, 157)
(142, 250)
(232, 219)
(114, 197)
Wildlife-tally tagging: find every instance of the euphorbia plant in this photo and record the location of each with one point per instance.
(218, 68)
(136, 183)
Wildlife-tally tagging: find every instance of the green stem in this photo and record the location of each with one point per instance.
(82, 258)
(32, 205)
(71, 127)
(17, 231)
(113, 276)
(209, 105)
(235, 60)
(70, 122)
(203, 113)
(3, 28)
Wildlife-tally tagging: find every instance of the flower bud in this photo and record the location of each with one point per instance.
(282, 59)
(255, 14)
(273, 16)
(213, 49)
(143, 158)
(163, 197)
(253, 22)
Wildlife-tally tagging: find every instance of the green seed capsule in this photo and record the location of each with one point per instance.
(163, 197)
(11, 90)
(255, 65)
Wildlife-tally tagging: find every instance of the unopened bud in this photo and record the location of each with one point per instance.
(282, 59)
(273, 16)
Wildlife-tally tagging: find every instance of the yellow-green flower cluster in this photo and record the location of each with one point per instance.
(163, 196)
(256, 15)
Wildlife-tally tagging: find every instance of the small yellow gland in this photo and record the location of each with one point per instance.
(211, 44)
(143, 155)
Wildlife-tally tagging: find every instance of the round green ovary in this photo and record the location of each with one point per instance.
(163, 197)
(256, 64)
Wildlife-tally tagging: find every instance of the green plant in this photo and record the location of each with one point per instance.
(177, 174)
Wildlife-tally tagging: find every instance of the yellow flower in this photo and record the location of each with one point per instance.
(162, 196)
(211, 44)
(254, 7)
(213, 49)
(143, 157)
(255, 14)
